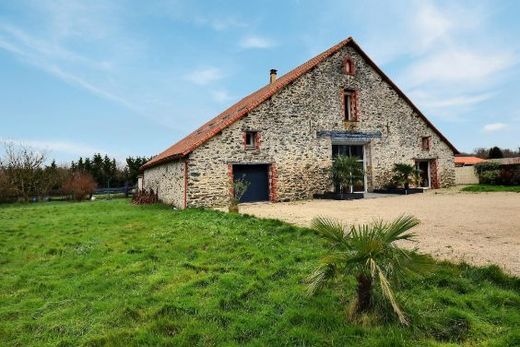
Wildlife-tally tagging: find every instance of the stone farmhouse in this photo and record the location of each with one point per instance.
(283, 137)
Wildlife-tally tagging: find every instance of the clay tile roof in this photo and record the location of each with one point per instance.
(507, 161)
(468, 160)
(247, 104)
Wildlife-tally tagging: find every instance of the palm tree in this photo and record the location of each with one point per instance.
(346, 171)
(404, 174)
(369, 253)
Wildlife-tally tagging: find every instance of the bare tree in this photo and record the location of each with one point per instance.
(24, 169)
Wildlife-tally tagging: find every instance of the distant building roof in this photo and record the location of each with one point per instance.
(507, 161)
(462, 161)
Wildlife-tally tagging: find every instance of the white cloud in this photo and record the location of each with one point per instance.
(221, 96)
(256, 42)
(204, 76)
(430, 25)
(434, 100)
(459, 66)
(492, 127)
(48, 146)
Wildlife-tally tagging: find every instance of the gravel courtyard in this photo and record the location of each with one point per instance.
(479, 228)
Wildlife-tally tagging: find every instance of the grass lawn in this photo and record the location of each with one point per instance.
(110, 273)
(490, 188)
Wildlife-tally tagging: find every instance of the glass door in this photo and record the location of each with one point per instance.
(357, 151)
(423, 166)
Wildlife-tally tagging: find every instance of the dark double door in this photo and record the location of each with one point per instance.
(258, 178)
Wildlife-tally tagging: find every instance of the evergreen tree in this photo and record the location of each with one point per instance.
(495, 153)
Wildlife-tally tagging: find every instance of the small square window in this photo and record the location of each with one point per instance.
(425, 143)
(250, 139)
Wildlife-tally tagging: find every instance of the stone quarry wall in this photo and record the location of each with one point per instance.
(289, 121)
(168, 181)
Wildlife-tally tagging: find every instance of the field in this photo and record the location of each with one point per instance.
(110, 273)
(490, 188)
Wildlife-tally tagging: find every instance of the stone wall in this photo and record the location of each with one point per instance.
(168, 181)
(466, 175)
(288, 124)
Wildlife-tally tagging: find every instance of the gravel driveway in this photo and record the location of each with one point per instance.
(479, 228)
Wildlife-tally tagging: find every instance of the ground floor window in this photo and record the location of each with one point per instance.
(352, 151)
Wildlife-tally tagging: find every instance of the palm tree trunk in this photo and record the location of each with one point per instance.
(364, 293)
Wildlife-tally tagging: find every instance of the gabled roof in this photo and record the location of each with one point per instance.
(250, 102)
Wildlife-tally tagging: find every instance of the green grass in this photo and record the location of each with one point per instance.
(110, 273)
(490, 188)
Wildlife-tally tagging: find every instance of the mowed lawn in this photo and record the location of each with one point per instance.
(110, 273)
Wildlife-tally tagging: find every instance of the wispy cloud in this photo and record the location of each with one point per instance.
(221, 23)
(204, 76)
(458, 65)
(493, 127)
(432, 100)
(221, 96)
(254, 41)
(50, 146)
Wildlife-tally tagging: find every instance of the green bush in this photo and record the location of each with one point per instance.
(487, 172)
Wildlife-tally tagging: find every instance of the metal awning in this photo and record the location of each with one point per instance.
(350, 137)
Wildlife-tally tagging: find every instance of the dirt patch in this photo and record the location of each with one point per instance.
(479, 228)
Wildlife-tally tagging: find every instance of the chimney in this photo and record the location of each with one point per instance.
(272, 76)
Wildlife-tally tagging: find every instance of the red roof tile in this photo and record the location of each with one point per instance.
(468, 160)
(247, 104)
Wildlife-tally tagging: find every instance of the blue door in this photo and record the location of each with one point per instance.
(258, 178)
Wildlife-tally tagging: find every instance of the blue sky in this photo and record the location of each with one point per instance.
(133, 77)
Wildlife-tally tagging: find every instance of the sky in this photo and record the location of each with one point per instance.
(131, 78)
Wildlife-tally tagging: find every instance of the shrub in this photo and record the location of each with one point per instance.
(7, 191)
(238, 189)
(145, 197)
(369, 254)
(79, 185)
(404, 174)
(487, 172)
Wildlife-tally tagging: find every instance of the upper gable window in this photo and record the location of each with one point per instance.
(348, 66)
(350, 105)
(425, 143)
(251, 140)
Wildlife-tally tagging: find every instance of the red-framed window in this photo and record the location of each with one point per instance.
(350, 105)
(251, 140)
(348, 66)
(426, 143)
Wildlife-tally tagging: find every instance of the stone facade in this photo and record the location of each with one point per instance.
(288, 124)
(168, 181)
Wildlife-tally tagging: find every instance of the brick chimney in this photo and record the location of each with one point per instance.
(272, 76)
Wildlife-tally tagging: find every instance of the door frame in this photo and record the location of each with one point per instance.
(365, 179)
(428, 161)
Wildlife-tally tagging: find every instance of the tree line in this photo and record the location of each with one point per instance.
(494, 153)
(26, 174)
(107, 173)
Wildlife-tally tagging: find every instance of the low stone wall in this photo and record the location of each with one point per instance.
(465, 175)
